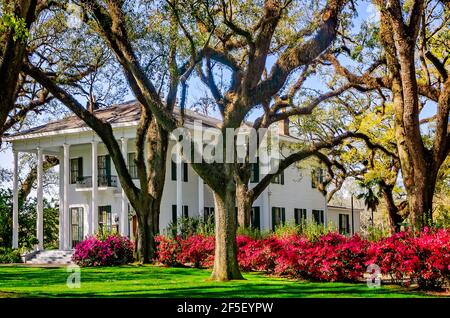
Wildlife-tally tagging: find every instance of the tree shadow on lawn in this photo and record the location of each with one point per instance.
(148, 281)
(260, 291)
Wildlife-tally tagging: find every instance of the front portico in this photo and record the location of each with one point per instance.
(75, 220)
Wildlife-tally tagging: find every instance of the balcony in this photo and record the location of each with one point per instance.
(85, 182)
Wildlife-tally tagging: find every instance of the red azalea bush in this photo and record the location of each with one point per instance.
(108, 251)
(334, 257)
(197, 250)
(433, 252)
(405, 258)
(395, 255)
(168, 250)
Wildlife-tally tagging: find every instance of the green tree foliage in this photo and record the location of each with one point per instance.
(27, 222)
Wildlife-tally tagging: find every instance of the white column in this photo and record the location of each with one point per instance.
(67, 229)
(15, 237)
(179, 189)
(201, 197)
(61, 200)
(266, 210)
(124, 215)
(94, 204)
(40, 200)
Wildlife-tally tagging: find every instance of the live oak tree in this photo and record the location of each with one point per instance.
(151, 140)
(373, 162)
(16, 20)
(412, 36)
(248, 88)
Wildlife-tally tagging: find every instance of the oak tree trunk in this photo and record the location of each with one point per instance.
(145, 242)
(395, 218)
(244, 205)
(226, 266)
(420, 200)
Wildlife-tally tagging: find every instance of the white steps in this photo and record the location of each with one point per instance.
(52, 257)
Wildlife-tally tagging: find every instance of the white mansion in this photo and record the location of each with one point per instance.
(90, 194)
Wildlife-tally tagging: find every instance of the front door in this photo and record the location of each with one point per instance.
(76, 226)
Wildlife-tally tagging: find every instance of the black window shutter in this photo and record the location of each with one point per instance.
(256, 218)
(321, 217)
(186, 211)
(255, 167)
(185, 172)
(174, 213)
(296, 216)
(347, 219)
(313, 178)
(283, 215)
(274, 211)
(80, 168)
(108, 165)
(174, 170)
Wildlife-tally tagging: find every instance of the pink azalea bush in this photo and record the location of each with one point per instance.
(168, 250)
(405, 258)
(108, 251)
(197, 250)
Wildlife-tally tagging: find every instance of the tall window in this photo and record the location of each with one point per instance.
(76, 225)
(317, 175)
(105, 219)
(254, 176)
(278, 179)
(76, 169)
(184, 171)
(278, 217)
(132, 165)
(104, 170)
(255, 218)
(318, 216)
(208, 212)
(175, 214)
(344, 223)
(299, 216)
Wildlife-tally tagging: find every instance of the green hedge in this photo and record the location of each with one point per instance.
(8, 256)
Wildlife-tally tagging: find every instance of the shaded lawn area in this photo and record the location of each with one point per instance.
(153, 281)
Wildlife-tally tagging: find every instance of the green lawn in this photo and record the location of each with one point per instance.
(152, 281)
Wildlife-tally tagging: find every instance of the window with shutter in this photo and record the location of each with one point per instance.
(278, 217)
(255, 218)
(254, 177)
(278, 179)
(318, 216)
(132, 168)
(76, 170)
(299, 216)
(344, 223)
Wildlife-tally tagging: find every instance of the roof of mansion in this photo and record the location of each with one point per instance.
(127, 114)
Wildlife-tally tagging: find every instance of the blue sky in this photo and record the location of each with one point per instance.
(197, 89)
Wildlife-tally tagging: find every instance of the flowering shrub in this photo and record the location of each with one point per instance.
(433, 252)
(168, 250)
(107, 251)
(405, 258)
(335, 257)
(197, 250)
(395, 256)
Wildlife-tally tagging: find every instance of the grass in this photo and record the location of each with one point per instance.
(153, 281)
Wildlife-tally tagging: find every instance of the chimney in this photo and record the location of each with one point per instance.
(283, 125)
